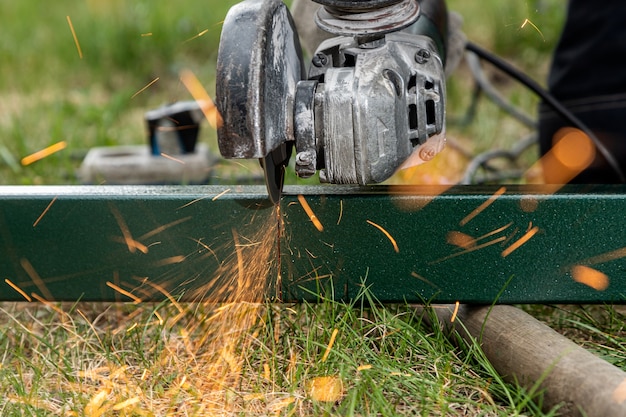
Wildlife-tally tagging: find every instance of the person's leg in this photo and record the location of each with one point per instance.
(588, 75)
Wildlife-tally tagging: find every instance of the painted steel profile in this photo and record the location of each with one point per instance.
(504, 244)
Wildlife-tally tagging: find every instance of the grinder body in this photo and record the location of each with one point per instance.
(373, 98)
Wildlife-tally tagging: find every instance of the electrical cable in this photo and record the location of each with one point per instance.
(550, 100)
(473, 62)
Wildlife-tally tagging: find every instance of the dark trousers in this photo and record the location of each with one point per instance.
(588, 76)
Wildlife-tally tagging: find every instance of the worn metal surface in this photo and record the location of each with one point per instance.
(474, 245)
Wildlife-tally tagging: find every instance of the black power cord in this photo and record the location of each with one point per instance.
(550, 100)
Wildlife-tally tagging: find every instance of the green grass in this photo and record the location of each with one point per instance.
(153, 360)
(88, 359)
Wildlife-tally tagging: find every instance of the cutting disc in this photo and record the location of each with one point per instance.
(259, 64)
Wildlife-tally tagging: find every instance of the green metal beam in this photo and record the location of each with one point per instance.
(415, 244)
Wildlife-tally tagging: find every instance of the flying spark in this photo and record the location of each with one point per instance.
(333, 336)
(204, 32)
(340, 212)
(519, 242)
(455, 312)
(69, 22)
(171, 260)
(199, 94)
(44, 212)
(160, 229)
(126, 235)
(136, 300)
(460, 239)
(571, 153)
(326, 389)
(421, 278)
(483, 206)
(593, 278)
(386, 233)
(145, 88)
(472, 249)
(309, 211)
(221, 194)
(193, 202)
(47, 303)
(171, 158)
(606, 257)
(18, 289)
(36, 278)
(528, 22)
(34, 157)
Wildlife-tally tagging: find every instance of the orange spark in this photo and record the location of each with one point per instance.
(221, 194)
(128, 238)
(47, 303)
(192, 202)
(593, 278)
(204, 32)
(460, 239)
(69, 22)
(44, 212)
(134, 244)
(34, 157)
(455, 312)
(333, 336)
(326, 389)
(165, 293)
(606, 257)
(483, 206)
(386, 233)
(494, 232)
(171, 260)
(18, 289)
(136, 300)
(571, 153)
(34, 276)
(163, 228)
(207, 247)
(240, 268)
(472, 249)
(527, 21)
(421, 278)
(202, 98)
(266, 372)
(519, 242)
(144, 88)
(171, 158)
(307, 209)
(340, 212)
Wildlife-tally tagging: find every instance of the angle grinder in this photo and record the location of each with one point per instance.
(372, 100)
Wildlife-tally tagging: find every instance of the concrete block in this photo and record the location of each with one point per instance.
(136, 165)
